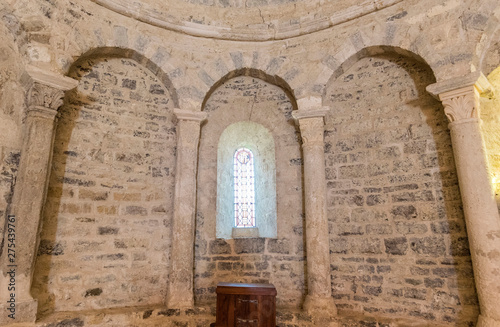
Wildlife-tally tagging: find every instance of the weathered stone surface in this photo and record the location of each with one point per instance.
(384, 199)
(279, 261)
(112, 220)
(395, 212)
(219, 246)
(251, 245)
(396, 246)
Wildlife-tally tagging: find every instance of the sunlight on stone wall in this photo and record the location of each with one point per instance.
(398, 239)
(490, 115)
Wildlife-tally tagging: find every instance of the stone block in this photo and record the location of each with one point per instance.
(404, 212)
(49, 247)
(281, 246)
(219, 246)
(107, 230)
(396, 246)
(459, 247)
(428, 245)
(136, 210)
(249, 245)
(92, 292)
(376, 199)
(433, 282)
(381, 229)
(406, 228)
(414, 293)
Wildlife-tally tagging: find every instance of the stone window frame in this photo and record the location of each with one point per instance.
(260, 141)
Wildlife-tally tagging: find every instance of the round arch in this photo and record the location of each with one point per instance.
(256, 73)
(380, 50)
(86, 61)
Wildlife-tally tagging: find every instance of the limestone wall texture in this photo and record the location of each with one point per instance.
(398, 240)
(257, 260)
(106, 231)
(11, 113)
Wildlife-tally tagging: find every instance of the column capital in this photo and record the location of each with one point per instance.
(182, 114)
(43, 96)
(47, 88)
(460, 96)
(311, 129)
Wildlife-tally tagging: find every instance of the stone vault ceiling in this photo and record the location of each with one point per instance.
(245, 20)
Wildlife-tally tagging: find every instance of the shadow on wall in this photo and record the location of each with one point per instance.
(109, 207)
(398, 243)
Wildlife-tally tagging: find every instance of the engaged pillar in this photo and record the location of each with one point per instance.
(22, 233)
(180, 291)
(460, 99)
(310, 118)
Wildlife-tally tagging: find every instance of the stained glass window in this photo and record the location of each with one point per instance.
(244, 191)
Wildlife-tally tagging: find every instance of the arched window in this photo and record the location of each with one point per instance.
(246, 182)
(244, 191)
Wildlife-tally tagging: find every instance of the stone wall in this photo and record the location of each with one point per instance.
(106, 228)
(11, 113)
(279, 261)
(491, 134)
(399, 251)
(398, 241)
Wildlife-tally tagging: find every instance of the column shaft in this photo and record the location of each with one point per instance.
(319, 299)
(27, 206)
(460, 98)
(481, 215)
(180, 292)
(317, 241)
(45, 97)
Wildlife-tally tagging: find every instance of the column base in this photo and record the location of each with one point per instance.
(179, 302)
(320, 306)
(483, 321)
(23, 311)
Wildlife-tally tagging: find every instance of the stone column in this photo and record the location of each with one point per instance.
(460, 98)
(44, 98)
(180, 290)
(310, 118)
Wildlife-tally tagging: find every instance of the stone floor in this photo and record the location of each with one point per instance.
(201, 316)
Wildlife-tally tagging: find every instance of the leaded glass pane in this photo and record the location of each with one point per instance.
(244, 192)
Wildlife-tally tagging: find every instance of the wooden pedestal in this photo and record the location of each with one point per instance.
(246, 305)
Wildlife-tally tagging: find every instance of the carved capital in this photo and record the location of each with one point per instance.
(463, 104)
(47, 88)
(311, 131)
(41, 95)
(460, 96)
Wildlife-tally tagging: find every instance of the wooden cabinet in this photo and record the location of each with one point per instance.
(246, 305)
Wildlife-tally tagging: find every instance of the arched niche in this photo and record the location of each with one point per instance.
(88, 59)
(263, 109)
(394, 204)
(260, 141)
(105, 237)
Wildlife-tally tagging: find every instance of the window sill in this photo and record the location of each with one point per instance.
(245, 232)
